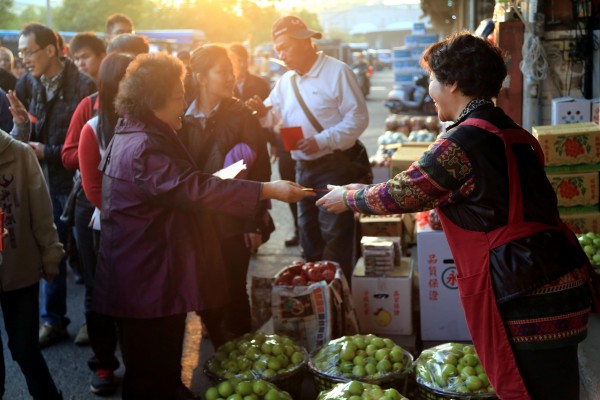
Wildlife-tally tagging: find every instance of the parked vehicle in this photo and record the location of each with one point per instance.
(411, 99)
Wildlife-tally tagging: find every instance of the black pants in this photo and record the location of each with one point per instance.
(287, 171)
(152, 351)
(550, 374)
(21, 308)
(102, 330)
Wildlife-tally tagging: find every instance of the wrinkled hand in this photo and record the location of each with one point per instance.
(308, 146)
(287, 191)
(333, 201)
(256, 104)
(38, 149)
(253, 241)
(17, 109)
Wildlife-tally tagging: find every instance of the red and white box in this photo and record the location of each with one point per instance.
(442, 316)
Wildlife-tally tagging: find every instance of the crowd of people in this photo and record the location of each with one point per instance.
(111, 152)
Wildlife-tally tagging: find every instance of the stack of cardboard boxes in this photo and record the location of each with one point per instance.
(383, 298)
(572, 163)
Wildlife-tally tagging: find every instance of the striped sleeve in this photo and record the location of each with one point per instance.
(442, 175)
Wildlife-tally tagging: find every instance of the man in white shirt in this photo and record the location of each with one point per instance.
(331, 93)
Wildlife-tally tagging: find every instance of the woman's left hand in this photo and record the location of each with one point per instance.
(253, 241)
(333, 201)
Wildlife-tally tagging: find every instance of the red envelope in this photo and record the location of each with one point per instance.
(290, 137)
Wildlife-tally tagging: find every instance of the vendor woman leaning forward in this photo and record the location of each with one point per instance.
(522, 273)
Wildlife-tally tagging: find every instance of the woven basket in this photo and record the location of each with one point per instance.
(396, 380)
(427, 393)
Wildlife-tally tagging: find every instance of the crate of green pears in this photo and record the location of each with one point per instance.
(452, 369)
(366, 358)
(356, 390)
(235, 389)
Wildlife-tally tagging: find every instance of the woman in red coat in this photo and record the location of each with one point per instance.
(522, 274)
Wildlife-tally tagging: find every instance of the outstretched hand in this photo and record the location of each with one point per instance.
(287, 191)
(333, 201)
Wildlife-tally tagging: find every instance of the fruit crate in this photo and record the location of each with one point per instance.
(290, 381)
(427, 393)
(398, 380)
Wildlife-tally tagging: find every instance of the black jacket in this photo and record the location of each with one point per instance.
(233, 123)
(52, 120)
(523, 265)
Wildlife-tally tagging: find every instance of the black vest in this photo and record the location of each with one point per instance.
(521, 266)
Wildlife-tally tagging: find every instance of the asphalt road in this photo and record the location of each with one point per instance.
(68, 363)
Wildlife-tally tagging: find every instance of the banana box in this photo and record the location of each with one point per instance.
(442, 316)
(383, 304)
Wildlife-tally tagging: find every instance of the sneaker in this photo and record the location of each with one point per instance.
(50, 334)
(82, 338)
(103, 382)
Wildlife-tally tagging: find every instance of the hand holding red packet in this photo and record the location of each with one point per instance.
(290, 136)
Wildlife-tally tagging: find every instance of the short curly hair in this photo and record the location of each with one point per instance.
(148, 82)
(475, 64)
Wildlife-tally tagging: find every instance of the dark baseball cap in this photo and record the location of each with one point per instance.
(294, 27)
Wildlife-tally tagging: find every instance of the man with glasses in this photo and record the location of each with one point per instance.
(57, 86)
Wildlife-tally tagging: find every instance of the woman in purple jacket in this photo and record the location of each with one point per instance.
(158, 259)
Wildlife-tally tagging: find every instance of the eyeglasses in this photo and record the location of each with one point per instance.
(27, 54)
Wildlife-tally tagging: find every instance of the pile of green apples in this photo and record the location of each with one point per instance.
(452, 367)
(590, 242)
(356, 390)
(256, 389)
(360, 357)
(257, 356)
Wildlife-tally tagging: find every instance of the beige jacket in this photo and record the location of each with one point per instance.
(31, 246)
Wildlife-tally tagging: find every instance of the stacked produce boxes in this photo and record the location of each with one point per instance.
(572, 161)
(405, 59)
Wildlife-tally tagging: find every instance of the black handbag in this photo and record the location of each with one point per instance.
(356, 157)
(68, 214)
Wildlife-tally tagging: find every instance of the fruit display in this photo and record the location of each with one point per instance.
(356, 390)
(453, 368)
(257, 356)
(236, 389)
(590, 242)
(366, 358)
(304, 274)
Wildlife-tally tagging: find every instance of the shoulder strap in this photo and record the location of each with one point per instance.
(309, 115)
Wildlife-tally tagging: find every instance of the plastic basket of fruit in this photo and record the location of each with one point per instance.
(256, 389)
(451, 371)
(273, 358)
(365, 358)
(356, 390)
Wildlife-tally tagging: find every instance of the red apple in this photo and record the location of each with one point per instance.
(299, 280)
(328, 275)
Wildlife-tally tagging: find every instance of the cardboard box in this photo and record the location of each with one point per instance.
(576, 193)
(570, 148)
(567, 110)
(407, 153)
(582, 223)
(596, 111)
(442, 316)
(384, 304)
(372, 225)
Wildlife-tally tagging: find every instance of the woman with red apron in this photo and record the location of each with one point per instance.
(522, 274)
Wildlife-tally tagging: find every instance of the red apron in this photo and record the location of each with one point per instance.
(471, 252)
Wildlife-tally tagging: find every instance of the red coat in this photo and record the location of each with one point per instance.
(157, 257)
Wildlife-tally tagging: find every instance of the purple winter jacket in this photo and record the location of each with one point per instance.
(157, 256)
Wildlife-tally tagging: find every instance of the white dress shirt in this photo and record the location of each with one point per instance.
(331, 92)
